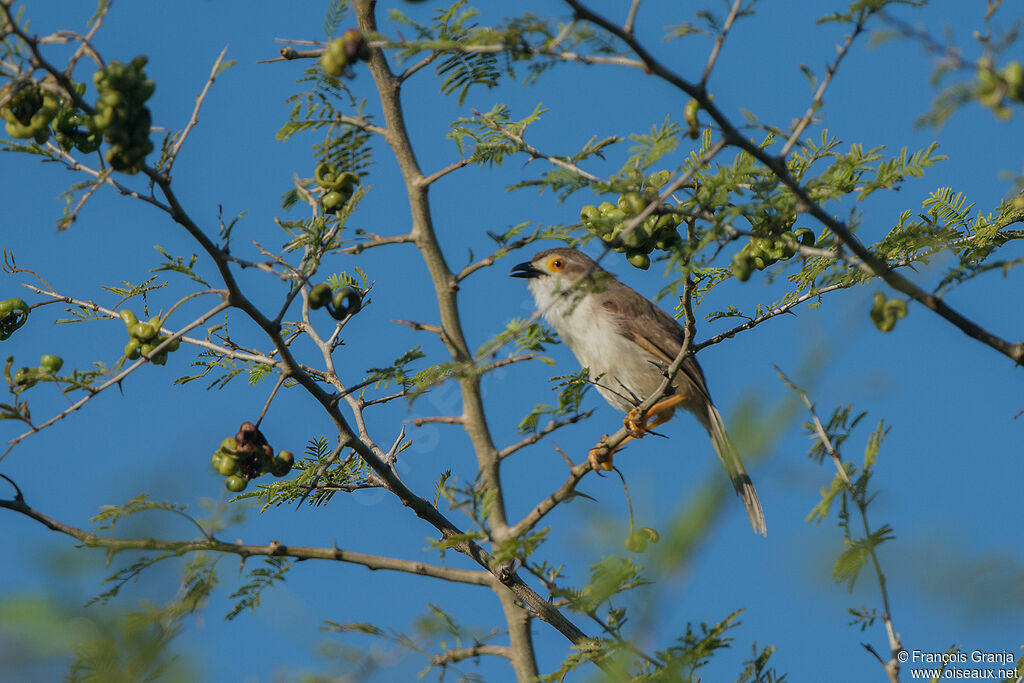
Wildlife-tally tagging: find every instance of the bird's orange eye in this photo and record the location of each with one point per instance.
(556, 264)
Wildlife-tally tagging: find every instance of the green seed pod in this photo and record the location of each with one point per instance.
(788, 244)
(1013, 74)
(333, 201)
(742, 267)
(589, 214)
(13, 314)
(665, 240)
(25, 377)
(632, 203)
(347, 301)
(324, 175)
(346, 181)
(666, 223)
(806, 236)
(658, 179)
(174, 345)
(636, 543)
(227, 466)
(319, 295)
(618, 246)
(690, 116)
(652, 535)
(51, 363)
(128, 317)
(634, 238)
(638, 259)
(215, 461)
(878, 302)
(896, 308)
(142, 331)
(145, 349)
(617, 215)
(282, 464)
(605, 207)
(131, 350)
(229, 445)
(235, 483)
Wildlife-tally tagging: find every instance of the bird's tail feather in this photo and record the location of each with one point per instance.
(734, 466)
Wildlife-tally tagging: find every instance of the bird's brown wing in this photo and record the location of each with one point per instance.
(652, 329)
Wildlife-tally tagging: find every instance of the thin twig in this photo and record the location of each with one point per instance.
(437, 175)
(437, 419)
(421, 327)
(459, 654)
(266, 406)
(631, 18)
(819, 94)
(194, 119)
(548, 428)
(493, 258)
(531, 150)
(719, 40)
(413, 68)
(777, 311)
(376, 241)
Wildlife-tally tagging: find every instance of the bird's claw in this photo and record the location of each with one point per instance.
(635, 423)
(600, 456)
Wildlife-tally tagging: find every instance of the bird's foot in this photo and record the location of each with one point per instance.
(600, 456)
(635, 423)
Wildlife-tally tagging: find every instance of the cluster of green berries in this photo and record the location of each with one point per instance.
(344, 51)
(995, 86)
(658, 231)
(338, 186)
(13, 314)
(70, 127)
(48, 367)
(341, 304)
(762, 252)
(247, 455)
(144, 337)
(28, 110)
(885, 312)
(121, 113)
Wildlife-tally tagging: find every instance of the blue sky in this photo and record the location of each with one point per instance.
(949, 473)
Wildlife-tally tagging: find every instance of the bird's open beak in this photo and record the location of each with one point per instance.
(525, 269)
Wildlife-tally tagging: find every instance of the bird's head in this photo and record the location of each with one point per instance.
(554, 264)
(554, 271)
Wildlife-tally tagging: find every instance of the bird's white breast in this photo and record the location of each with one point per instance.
(595, 339)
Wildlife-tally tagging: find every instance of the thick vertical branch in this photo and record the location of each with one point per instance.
(446, 287)
(519, 637)
(445, 284)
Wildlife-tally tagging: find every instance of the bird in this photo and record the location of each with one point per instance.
(626, 342)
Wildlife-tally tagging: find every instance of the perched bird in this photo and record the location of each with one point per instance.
(626, 342)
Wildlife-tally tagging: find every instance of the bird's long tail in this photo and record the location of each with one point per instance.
(734, 466)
